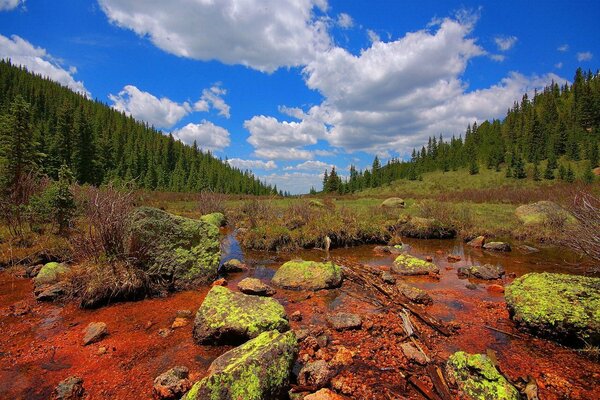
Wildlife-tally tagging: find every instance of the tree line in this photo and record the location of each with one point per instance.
(558, 125)
(58, 127)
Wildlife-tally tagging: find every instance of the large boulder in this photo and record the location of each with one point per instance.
(175, 247)
(425, 228)
(308, 275)
(257, 370)
(406, 264)
(393, 202)
(50, 273)
(227, 317)
(563, 307)
(217, 219)
(485, 272)
(540, 212)
(478, 379)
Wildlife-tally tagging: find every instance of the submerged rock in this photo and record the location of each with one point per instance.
(257, 370)
(256, 287)
(233, 265)
(397, 249)
(540, 212)
(393, 202)
(69, 389)
(497, 246)
(175, 247)
(485, 272)
(226, 317)
(478, 242)
(563, 307)
(172, 384)
(50, 273)
(308, 275)
(344, 321)
(414, 294)
(408, 265)
(478, 379)
(426, 228)
(94, 332)
(217, 219)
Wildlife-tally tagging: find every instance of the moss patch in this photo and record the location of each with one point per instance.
(478, 378)
(50, 273)
(308, 275)
(564, 307)
(538, 213)
(406, 264)
(217, 219)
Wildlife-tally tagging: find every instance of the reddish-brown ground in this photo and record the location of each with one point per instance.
(40, 344)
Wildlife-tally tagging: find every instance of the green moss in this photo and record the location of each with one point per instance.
(406, 264)
(557, 303)
(478, 378)
(217, 219)
(300, 274)
(50, 273)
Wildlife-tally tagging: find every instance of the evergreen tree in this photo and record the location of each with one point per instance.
(570, 174)
(473, 167)
(562, 172)
(536, 172)
(64, 203)
(588, 175)
(549, 172)
(519, 168)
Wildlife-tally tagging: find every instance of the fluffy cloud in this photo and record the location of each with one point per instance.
(252, 164)
(207, 135)
(36, 59)
(345, 21)
(584, 56)
(373, 36)
(6, 5)
(563, 48)
(310, 165)
(294, 182)
(261, 34)
(162, 113)
(505, 43)
(213, 97)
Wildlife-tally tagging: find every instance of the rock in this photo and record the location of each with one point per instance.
(256, 287)
(428, 258)
(409, 265)
(172, 384)
(563, 307)
(257, 370)
(540, 212)
(497, 246)
(216, 219)
(164, 332)
(495, 288)
(101, 350)
(343, 357)
(344, 321)
(315, 374)
(296, 316)
(184, 314)
(478, 242)
(388, 277)
(393, 202)
(397, 249)
(425, 228)
(324, 394)
(527, 249)
(454, 258)
(69, 389)
(179, 323)
(94, 332)
(485, 272)
(414, 294)
(308, 275)
(19, 308)
(477, 378)
(32, 270)
(413, 354)
(596, 171)
(471, 286)
(220, 282)
(51, 292)
(226, 317)
(301, 334)
(175, 247)
(50, 273)
(233, 265)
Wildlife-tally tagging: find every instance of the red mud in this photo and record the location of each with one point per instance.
(43, 346)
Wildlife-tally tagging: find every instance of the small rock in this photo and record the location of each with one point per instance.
(527, 249)
(301, 334)
(388, 277)
(344, 321)
(478, 242)
(233, 265)
(69, 389)
(316, 374)
(172, 384)
(20, 308)
(50, 292)
(471, 286)
(496, 288)
(101, 350)
(220, 282)
(255, 287)
(414, 294)
(94, 332)
(343, 357)
(497, 246)
(164, 332)
(296, 316)
(428, 258)
(413, 354)
(184, 314)
(33, 270)
(324, 394)
(322, 341)
(485, 272)
(454, 258)
(179, 322)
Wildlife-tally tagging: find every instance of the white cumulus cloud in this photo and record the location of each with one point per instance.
(563, 48)
(213, 97)
(505, 43)
(252, 164)
(207, 135)
(294, 182)
(584, 56)
(36, 59)
(345, 21)
(6, 5)
(310, 165)
(261, 34)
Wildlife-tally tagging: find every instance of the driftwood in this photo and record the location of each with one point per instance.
(439, 383)
(423, 389)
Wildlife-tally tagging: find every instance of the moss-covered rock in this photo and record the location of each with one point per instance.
(257, 370)
(563, 307)
(485, 272)
(425, 228)
(308, 275)
(478, 379)
(414, 294)
(217, 219)
(540, 212)
(406, 264)
(227, 317)
(393, 202)
(50, 273)
(174, 247)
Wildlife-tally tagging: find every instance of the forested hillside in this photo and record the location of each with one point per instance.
(99, 144)
(558, 125)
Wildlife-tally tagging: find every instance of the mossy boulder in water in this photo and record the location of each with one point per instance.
(217, 219)
(227, 317)
(308, 275)
(50, 273)
(406, 264)
(257, 370)
(563, 307)
(540, 212)
(174, 247)
(478, 379)
(425, 228)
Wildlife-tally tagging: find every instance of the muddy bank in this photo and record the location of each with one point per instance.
(41, 345)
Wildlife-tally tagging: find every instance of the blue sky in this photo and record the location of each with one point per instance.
(288, 88)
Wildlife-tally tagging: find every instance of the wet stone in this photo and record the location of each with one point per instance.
(485, 272)
(471, 286)
(50, 292)
(256, 287)
(69, 389)
(414, 294)
(172, 384)
(94, 332)
(478, 242)
(388, 277)
(406, 264)
(344, 321)
(497, 246)
(233, 265)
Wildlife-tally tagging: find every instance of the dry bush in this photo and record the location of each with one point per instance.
(210, 202)
(584, 236)
(555, 220)
(434, 209)
(13, 204)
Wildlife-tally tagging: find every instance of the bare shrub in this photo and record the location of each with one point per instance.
(210, 202)
(555, 220)
(584, 236)
(13, 204)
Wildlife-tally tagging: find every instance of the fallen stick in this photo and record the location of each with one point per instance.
(423, 389)
(439, 383)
